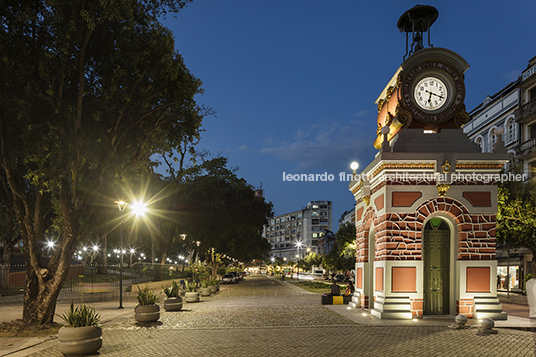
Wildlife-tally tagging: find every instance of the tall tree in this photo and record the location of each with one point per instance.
(220, 210)
(516, 216)
(342, 255)
(90, 90)
(10, 236)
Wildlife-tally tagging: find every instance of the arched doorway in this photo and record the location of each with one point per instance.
(436, 263)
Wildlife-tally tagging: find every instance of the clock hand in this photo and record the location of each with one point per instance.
(440, 96)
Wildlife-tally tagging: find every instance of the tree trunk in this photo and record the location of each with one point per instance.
(41, 293)
(5, 267)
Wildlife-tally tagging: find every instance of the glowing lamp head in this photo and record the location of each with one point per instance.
(139, 208)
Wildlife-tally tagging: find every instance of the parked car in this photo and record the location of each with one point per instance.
(340, 278)
(229, 279)
(235, 273)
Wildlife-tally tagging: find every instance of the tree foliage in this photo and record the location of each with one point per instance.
(342, 255)
(220, 210)
(90, 91)
(516, 216)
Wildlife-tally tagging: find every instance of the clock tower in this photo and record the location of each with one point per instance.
(426, 205)
(427, 91)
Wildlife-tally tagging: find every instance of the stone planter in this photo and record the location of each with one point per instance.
(147, 313)
(173, 304)
(191, 296)
(213, 289)
(204, 291)
(80, 340)
(530, 287)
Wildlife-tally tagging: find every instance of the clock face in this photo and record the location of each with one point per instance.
(431, 94)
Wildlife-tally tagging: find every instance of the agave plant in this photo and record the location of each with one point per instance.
(191, 287)
(146, 296)
(213, 281)
(81, 316)
(173, 290)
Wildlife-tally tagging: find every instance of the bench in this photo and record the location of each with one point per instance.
(335, 300)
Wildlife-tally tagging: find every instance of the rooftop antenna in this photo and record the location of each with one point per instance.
(416, 21)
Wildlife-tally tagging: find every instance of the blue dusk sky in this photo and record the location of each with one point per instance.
(294, 82)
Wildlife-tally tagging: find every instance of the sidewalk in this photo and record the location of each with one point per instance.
(262, 316)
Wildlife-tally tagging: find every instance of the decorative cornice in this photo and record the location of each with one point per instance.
(358, 187)
(403, 165)
(462, 166)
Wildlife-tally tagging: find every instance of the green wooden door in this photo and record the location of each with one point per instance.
(436, 261)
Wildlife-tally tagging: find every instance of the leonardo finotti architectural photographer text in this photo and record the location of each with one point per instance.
(406, 176)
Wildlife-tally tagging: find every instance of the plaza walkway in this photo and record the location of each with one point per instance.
(262, 317)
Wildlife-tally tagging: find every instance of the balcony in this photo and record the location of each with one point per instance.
(524, 113)
(526, 148)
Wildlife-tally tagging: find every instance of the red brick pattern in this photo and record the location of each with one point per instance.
(364, 301)
(465, 307)
(416, 307)
(399, 235)
(362, 235)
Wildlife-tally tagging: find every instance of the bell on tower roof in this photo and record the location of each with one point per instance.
(416, 21)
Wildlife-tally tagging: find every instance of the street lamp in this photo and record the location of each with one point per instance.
(138, 208)
(298, 244)
(121, 205)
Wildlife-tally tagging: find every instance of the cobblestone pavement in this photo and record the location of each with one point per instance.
(260, 317)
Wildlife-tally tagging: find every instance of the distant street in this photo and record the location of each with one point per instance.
(262, 317)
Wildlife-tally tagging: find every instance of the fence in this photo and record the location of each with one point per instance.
(85, 278)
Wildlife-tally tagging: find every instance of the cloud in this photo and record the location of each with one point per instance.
(244, 148)
(325, 144)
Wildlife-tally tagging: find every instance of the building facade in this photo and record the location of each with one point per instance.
(296, 233)
(426, 205)
(513, 109)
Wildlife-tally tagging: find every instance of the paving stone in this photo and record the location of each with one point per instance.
(260, 317)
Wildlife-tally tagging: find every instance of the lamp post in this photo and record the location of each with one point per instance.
(139, 209)
(121, 205)
(298, 244)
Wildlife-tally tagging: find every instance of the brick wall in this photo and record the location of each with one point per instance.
(399, 235)
(465, 307)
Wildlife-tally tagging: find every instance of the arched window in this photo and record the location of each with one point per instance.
(510, 130)
(492, 139)
(479, 142)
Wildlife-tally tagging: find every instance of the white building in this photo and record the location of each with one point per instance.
(298, 232)
(514, 109)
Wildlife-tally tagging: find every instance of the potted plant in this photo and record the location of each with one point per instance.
(214, 285)
(147, 310)
(191, 295)
(204, 290)
(173, 301)
(81, 336)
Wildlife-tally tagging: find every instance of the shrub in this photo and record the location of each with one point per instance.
(81, 316)
(191, 286)
(173, 290)
(146, 296)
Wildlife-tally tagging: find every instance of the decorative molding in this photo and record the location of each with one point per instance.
(442, 189)
(462, 166)
(403, 165)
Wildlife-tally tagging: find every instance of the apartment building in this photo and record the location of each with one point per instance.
(297, 233)
(513, 109)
